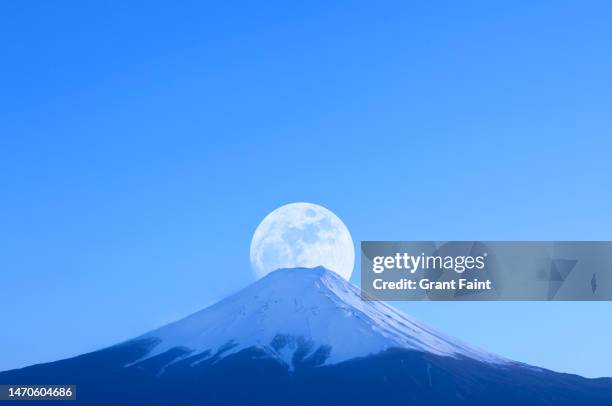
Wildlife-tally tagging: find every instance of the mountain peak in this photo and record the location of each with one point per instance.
(306, 311)
(300, 275)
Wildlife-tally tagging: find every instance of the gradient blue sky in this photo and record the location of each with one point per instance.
(142, 143)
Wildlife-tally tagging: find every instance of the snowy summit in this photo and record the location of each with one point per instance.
(301, 313)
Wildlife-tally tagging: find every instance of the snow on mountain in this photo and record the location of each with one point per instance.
(306, 311)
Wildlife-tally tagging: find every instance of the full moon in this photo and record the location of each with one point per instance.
(302, 235)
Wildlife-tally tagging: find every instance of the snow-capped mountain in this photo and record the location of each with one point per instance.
(305, 337)
(309, 312)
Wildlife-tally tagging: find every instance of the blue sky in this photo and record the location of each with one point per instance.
(141, 144)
